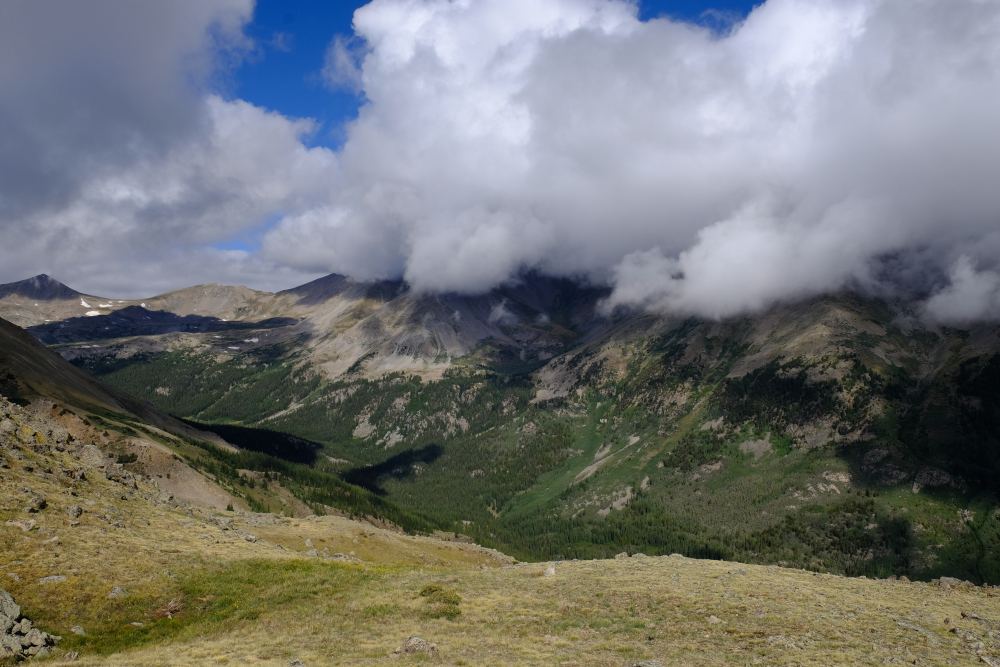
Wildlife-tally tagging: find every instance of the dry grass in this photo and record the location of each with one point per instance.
(208, 596)
(607, 613)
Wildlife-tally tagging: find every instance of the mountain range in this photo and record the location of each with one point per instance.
(840, 433)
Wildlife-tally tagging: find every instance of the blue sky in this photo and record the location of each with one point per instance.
(293, 38)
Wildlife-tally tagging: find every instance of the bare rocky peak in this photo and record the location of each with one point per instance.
(40, 287)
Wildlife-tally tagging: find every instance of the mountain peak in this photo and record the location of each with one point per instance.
(321, 289)
(40, 287)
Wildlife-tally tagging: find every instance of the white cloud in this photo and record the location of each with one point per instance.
(118, 170)
(818, 144)
(784, 158)
(971, 296)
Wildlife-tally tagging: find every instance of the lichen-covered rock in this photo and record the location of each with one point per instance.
(18, 637)
(8, 607)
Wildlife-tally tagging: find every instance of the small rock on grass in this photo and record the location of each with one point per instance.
(77, 630)
(117, 592)
(296, 663)
(71, 656)
(645, 663)
(416, 645)
(26, 526)
(550, 571)
(713, 619)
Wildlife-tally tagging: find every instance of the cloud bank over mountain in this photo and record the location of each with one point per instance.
(817, 145)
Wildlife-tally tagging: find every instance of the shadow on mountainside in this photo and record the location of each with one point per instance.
(137, 321)
(277, 444)
(399, 466)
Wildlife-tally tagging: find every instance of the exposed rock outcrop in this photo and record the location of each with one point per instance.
(18, 637)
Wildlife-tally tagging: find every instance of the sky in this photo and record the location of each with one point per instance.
(285, 74)
(706, 158)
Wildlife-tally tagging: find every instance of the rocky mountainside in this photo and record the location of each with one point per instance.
(198, 466)
(841, 433)
(343, 326)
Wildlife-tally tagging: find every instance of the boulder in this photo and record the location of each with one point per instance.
(116, 473)
(35, 637)
(8, 607)
(415, 645)
(92, 456)
(24, 524)
(18, 637)
(13, 643)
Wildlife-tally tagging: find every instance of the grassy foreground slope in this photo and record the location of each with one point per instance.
(205, 587)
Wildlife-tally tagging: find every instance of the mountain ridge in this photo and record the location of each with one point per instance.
(841, 433)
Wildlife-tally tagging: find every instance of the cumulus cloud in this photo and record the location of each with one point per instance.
(806, 148)
(815, 145)
(971, 296)
(119, 168)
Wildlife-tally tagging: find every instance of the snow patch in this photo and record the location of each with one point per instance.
(92, 313)
(84, 303)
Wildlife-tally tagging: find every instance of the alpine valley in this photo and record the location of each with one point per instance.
(840, 434)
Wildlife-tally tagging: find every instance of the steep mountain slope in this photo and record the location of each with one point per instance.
(28, 371)
(198, 465)
(841, 433)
